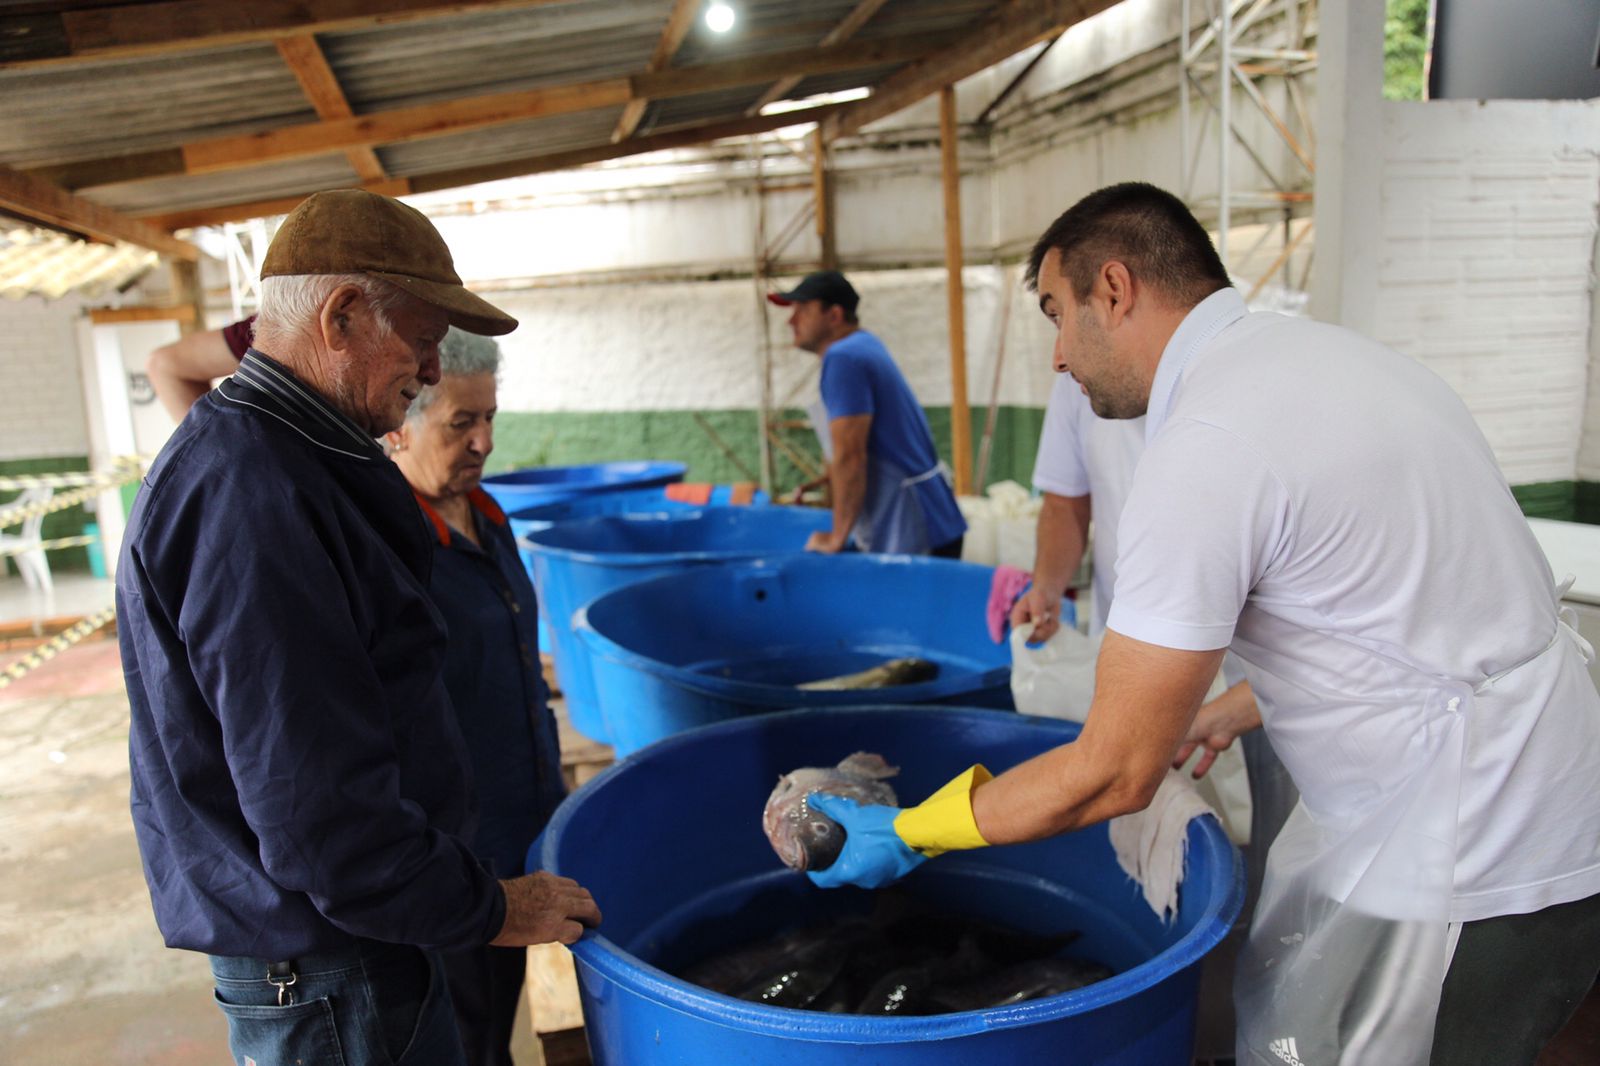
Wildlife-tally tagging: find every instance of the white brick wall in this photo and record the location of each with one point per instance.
(1489, 220)
(41, 402)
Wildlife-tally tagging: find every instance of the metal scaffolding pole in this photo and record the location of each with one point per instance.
(764, 375)
(1241, 44)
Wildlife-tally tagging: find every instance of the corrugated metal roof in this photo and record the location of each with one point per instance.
(239, 186)
(114, 107)
(516, 140)
(36, 262)
(414, 63)
(91, 109)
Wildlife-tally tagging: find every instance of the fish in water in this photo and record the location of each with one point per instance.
(807, 839)
(909, 671)
(906, 958)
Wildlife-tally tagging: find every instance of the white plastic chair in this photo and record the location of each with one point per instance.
(30, 558)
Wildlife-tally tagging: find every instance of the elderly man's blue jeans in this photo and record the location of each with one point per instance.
(372, 1004)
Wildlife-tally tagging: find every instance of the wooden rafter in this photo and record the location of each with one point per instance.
(515, 168)
(177, 25)
(655, 142)
(1015, 26)
(33, 198)
(677, 28)
(846, 29)
(310, 68)
(462, 115)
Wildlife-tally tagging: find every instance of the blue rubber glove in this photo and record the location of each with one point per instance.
(873, 855)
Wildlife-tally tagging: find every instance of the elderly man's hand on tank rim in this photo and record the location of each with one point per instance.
(542, 908)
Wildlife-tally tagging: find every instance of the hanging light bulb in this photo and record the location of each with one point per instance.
(719, 17)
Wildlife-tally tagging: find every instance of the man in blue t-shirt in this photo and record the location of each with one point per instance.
(890, 491)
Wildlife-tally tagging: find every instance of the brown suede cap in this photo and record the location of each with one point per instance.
(352, 231)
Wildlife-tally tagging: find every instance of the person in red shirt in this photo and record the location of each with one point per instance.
(182, 372)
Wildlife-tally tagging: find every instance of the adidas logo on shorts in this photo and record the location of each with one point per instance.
(1286, 1050)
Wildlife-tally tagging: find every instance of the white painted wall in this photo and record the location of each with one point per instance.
(1485, 273)
(41, 403)
(696, 345)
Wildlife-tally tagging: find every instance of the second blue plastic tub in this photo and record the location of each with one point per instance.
(575, 562)
(694, 648)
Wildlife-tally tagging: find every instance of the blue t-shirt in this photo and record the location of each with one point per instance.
(860, 378)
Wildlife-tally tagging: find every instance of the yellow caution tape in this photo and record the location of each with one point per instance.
(58, 644)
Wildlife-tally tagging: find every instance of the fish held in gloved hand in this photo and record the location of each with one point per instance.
(807, 839)
(910, 671)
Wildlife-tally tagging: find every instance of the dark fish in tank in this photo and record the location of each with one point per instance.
(907, 958)
(790, 970)
(908, 671)
(1017, 983)
(807, 839)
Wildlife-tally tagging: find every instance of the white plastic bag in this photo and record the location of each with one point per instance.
(1056, 680)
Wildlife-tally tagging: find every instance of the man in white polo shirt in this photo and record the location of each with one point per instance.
(1328, 509)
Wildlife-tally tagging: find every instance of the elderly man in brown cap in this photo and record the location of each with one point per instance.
(300, 791)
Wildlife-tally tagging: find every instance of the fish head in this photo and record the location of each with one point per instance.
(820, 837)
(803, 837)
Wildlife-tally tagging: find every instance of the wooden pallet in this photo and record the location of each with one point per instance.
(552, 981)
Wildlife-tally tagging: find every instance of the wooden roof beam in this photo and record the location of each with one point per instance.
(858, 17)
(31, 197)
(1015, 26)
(677, 28)
(516, 168)
(177, 25)
(310, 68)
(460, 116)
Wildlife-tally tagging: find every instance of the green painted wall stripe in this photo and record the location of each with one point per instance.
(64, 523)
(567, 438)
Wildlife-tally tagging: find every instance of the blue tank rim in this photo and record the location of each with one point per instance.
(632, 473)
(758, 694)
(624, 560)
(628, 971)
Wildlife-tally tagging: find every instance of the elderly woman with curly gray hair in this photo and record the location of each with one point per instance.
(492, 670)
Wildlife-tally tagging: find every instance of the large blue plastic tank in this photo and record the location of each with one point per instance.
(533, 485)
(574, 562)
(670, 843)
(621, 501)
(694, 648)
(618, 501)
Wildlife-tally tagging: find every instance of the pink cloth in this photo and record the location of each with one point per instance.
(1005, 588)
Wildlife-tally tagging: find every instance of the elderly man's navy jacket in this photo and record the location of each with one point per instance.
(299, 778)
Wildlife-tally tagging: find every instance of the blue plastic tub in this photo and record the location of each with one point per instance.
(694, 648)
(670, 843)
(574, 562)
(551, 484)
(618, 501)
(621, 501)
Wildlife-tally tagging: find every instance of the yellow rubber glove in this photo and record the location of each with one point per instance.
(944, 821)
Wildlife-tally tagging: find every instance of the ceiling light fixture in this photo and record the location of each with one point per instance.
(719, 17)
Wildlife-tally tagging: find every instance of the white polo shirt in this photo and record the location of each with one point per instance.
(1081, 454)
(1329, 509)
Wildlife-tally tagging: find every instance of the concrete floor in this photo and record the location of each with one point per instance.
(87, 980)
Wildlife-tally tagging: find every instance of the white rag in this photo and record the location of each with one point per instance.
(1152, 845)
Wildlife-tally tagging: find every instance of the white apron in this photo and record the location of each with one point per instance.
(1352, 938)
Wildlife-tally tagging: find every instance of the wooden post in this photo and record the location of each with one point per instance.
(960, 421)
(187, 293)
(822, 190)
